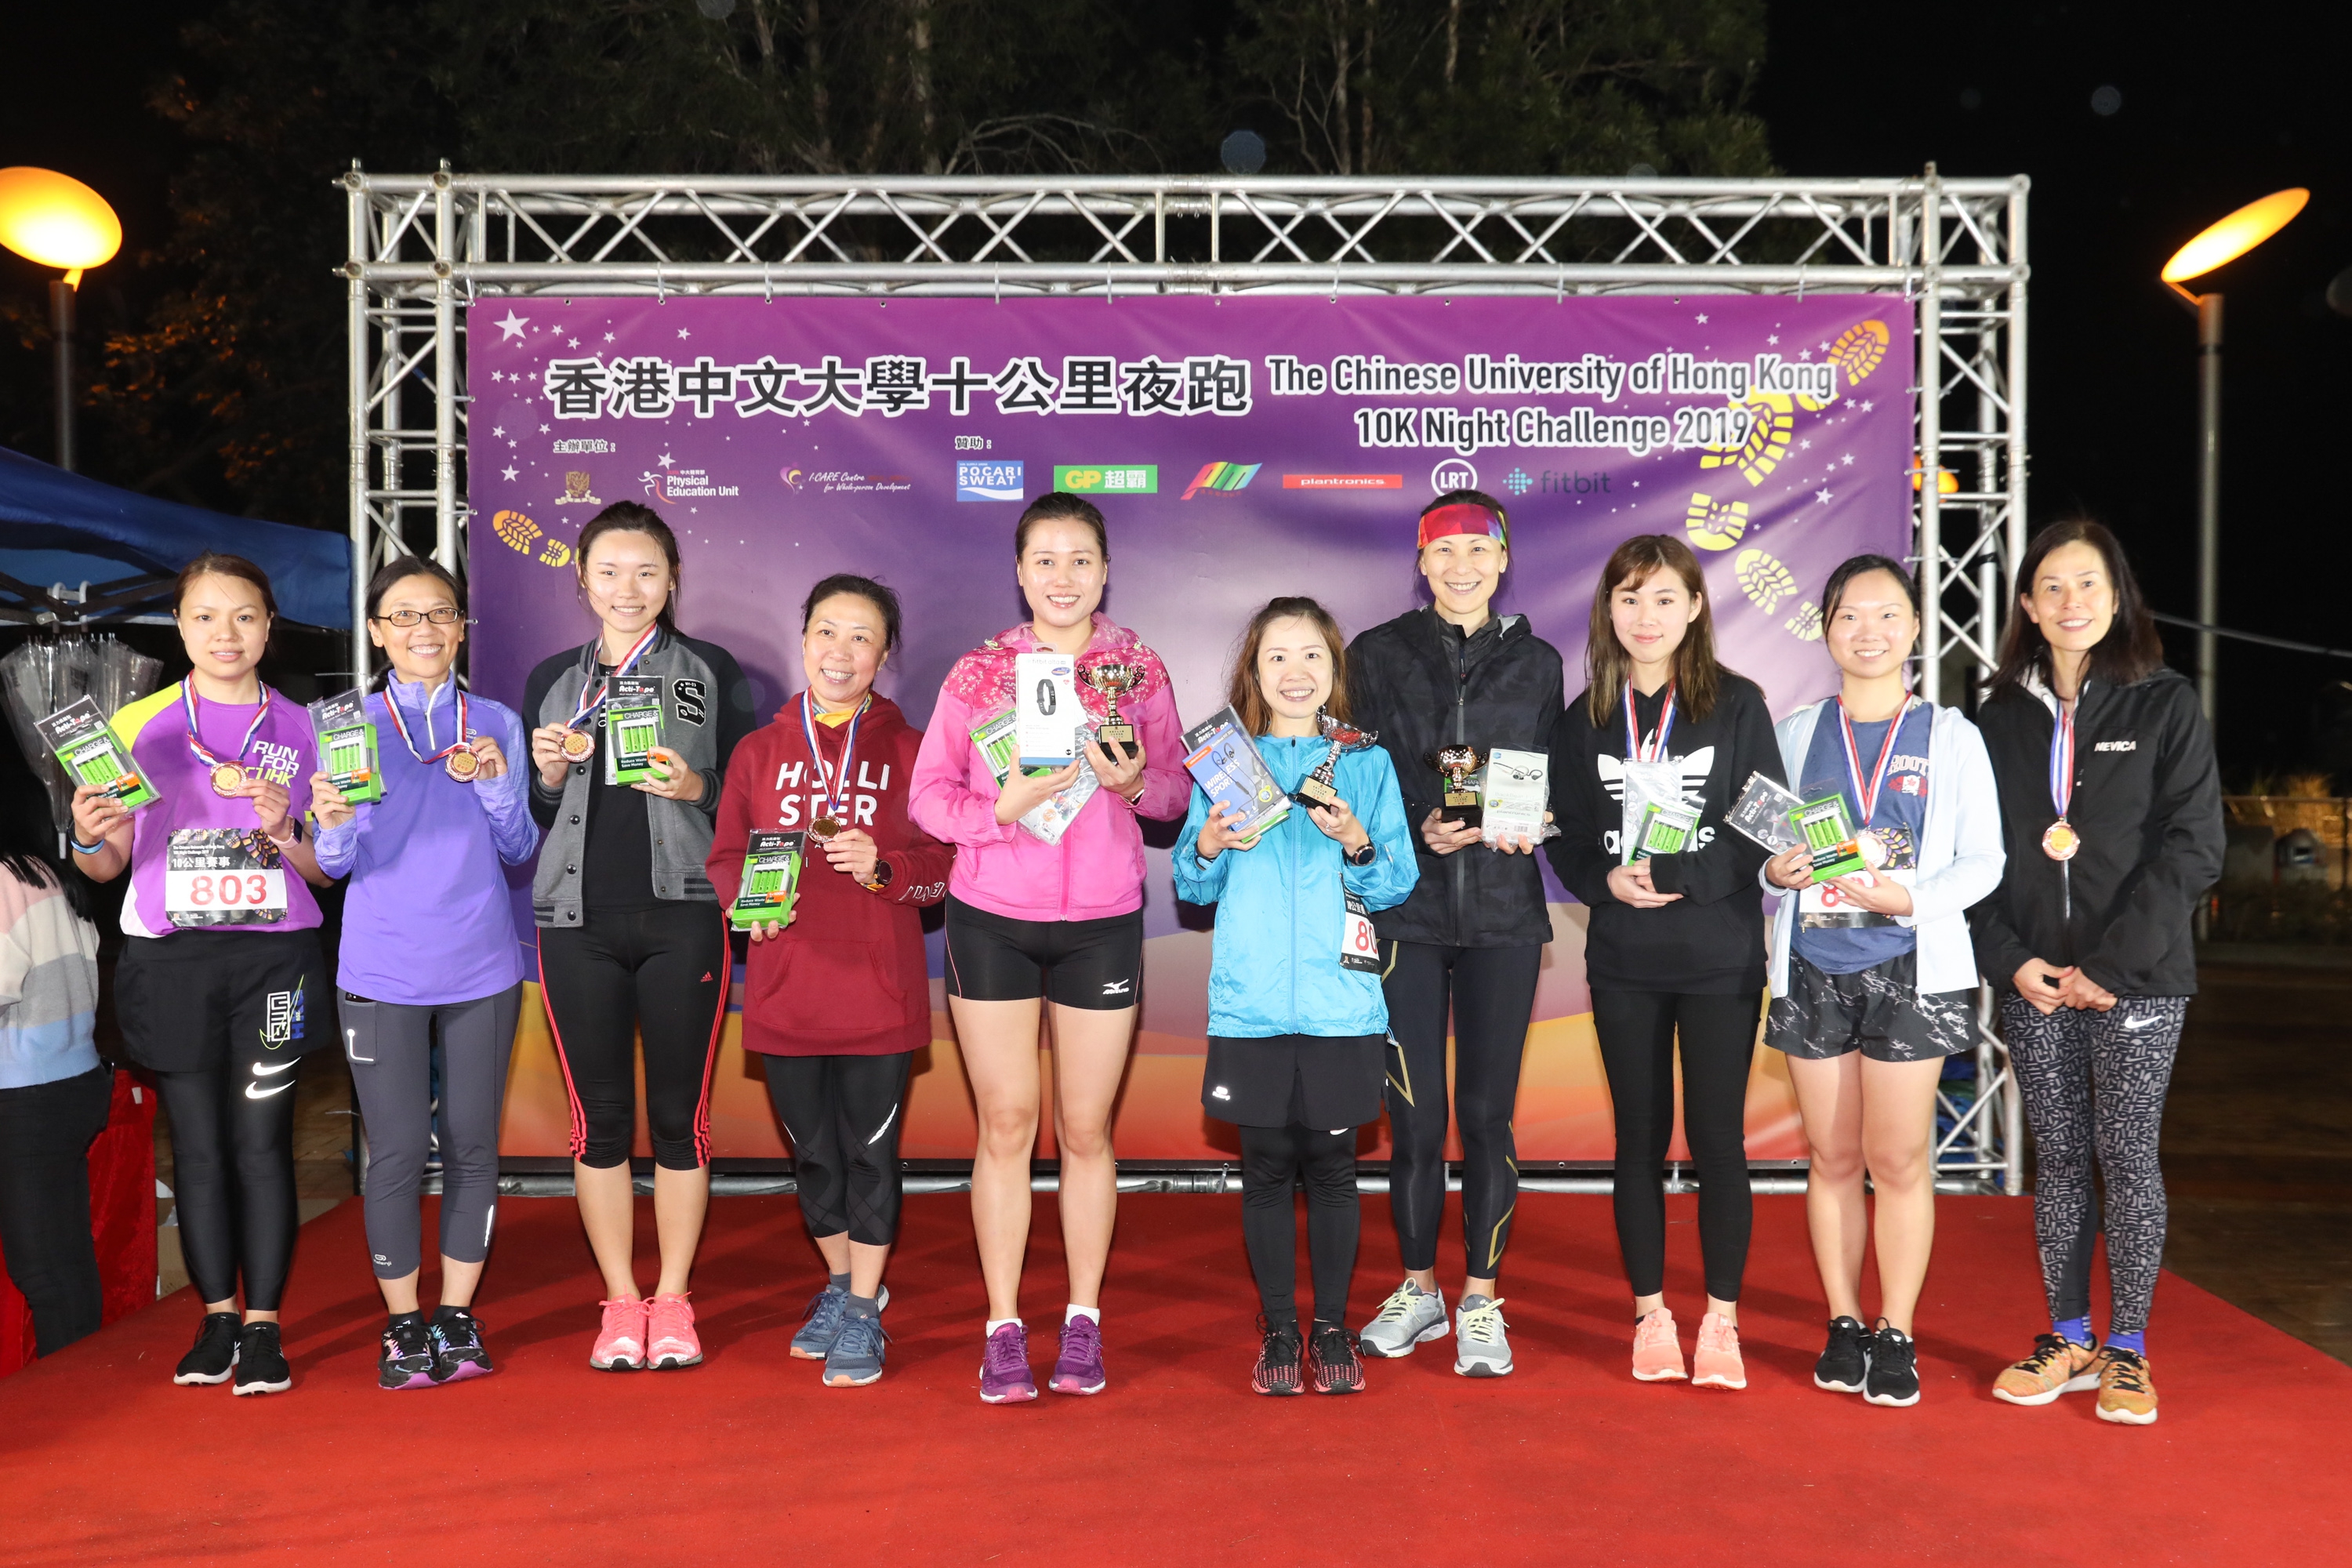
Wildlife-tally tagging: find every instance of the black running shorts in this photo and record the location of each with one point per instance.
(1093, 964)
(1879, 1010)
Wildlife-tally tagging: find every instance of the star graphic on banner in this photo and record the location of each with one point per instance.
(1866, 407)
(1847, 459)
(1849, 402)
(542, 429)
(508, 474)
(1825, 347)
(1772, 337)
(608, 337)
(511, 328)
(1804, 446)
(1805, 353)
(665, 460)
(1702, 318)
(499, 430)
(681, 331)
(573, 342)
(1821, 496)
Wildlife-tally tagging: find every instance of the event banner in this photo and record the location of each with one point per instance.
(1241, 447)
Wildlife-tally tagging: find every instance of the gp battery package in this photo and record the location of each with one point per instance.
(772, 881)
(347, 749)
(91, 753)
(633, 728)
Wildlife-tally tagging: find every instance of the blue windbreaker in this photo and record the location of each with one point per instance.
(1282, 906)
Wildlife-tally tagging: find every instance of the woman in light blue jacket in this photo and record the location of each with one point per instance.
(1873, 975)
(1297, 1024)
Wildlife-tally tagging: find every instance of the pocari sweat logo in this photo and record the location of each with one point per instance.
(988, 481)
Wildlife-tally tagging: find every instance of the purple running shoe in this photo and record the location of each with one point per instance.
(458, 1349)
(405, 1357)
(1079, 1369)
(1004, 1367)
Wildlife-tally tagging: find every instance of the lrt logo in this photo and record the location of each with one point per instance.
(1453, 474)
(1221, 477)
(990, 481)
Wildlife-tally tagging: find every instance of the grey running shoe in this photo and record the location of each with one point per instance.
(855, 1359)
(1481, 1347)
(1410, 1317)
(815, 1341)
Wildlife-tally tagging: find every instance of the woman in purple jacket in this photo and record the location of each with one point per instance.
(454, 812)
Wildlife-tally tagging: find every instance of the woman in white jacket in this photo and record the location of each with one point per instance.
(1873, 972)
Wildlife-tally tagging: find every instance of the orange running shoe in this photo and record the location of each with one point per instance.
(621, 1342)
(1657, 1350)
(1717, 1363)
(2124, 1392)
(2058, 1365)
(671, 1342)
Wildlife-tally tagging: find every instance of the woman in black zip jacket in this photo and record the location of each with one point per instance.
(1675, 946)
(1473, 932)
(2112, 811)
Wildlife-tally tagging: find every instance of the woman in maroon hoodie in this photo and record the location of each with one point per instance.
(839, 1001)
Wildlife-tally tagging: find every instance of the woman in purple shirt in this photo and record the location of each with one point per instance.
(454, 812)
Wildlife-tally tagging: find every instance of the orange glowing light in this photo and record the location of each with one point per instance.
(2235, 234)
(55, 220)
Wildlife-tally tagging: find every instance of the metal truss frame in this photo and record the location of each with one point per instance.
(421, 247)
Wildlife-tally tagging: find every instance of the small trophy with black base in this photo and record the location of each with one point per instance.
(1111, 678)
(1459, 766)
(1319, 788)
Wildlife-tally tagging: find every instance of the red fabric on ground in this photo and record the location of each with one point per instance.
(749, 1459)
(122, 1220)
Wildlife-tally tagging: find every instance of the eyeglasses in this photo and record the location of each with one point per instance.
(447, 615)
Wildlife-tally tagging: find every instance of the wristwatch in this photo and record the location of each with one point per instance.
(1363, 855)
(881, 878)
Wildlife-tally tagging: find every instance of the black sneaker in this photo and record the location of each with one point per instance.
(458, 1349)
(260, 1360)
(213, 1356)
(405, 1354)
(1279, 1358)
(1337, 1368)
(1846, 1361)
(1893, 1367)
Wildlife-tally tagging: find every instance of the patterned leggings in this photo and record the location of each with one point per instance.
(2095, 1082)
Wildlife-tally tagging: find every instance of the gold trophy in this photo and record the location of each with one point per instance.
(1111, 678)
(1457, 763)
(1317, 789)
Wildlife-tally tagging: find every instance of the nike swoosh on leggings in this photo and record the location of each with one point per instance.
(261, 1069)
(2138, 1023)
(256, 1091)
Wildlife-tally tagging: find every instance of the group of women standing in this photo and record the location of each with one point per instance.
(1357, 940)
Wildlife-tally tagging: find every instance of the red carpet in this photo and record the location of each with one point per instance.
(748, 1459)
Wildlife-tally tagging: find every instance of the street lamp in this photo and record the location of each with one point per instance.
(2224, 242)
(55, 220)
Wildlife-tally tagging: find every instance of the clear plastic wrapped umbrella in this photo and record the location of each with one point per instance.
(40, 677)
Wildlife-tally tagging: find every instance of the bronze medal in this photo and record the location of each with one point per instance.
(464, 765)
(228, 779)
(2060, 841)
(579, 745)
(825, 827)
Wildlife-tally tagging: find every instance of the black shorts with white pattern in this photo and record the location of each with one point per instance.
(1879, 1011)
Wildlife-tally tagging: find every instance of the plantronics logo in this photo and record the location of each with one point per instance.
(1221, 477)
(990, 481)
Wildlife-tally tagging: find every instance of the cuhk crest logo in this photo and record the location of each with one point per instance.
(1453, 474)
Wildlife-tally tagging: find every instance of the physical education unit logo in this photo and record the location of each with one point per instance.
(990, 481)
(1221, 477)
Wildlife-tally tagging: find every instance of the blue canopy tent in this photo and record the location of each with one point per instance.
(58, 527)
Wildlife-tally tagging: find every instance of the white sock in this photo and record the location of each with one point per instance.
(1074, 1313)
(997, 1323)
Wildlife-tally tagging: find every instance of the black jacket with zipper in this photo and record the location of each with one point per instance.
(2148, 808)
(1710, 942)
(1422, 684)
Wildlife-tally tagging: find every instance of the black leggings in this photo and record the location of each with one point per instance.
(1637, 1030)
(46, 1131)
(660, 973)
(233, 1174)
(1274, 1159)
(1493, 992)
(391, 1044)
(843, 1114)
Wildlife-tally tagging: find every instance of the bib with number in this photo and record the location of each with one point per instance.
(1359, 945)
(222, 877)
(1826, 898)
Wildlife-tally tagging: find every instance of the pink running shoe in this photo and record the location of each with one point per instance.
(621, 1342)
(1715, 1364)
(1657, 1351)
(670, 1341)
(1005, 1377)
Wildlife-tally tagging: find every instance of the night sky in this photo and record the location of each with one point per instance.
(2210, 110)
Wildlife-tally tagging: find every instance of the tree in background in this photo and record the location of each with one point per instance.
(224, 384)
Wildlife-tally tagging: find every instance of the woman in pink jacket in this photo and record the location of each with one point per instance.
(1045, 902)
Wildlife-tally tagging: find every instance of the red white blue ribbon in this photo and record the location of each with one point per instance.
(392, 711)
(836, 795)
(590, 702)
(2061, 760)
(203, 752)
(1655, 750)
(1867, 796)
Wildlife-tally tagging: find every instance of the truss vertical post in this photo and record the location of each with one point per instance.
(1931, 436)
(356, 290)
(446, 375)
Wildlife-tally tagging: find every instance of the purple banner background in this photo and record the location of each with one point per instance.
(767, 503)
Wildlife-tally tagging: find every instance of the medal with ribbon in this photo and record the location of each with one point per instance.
(1654, 749)
(578, 744)
(1873, 847)
(834, 810)
(463, 765)
(228, 775)
(2059, 840)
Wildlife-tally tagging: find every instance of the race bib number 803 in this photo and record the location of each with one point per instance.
(215, 877)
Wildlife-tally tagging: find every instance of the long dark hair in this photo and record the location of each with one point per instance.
(2130, 652)
(628, 517)
(390, 575)
(1698, 675)
(1242, 688)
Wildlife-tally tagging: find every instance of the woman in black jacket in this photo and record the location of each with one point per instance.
(1472, 935)
(1675, 946)
(2112, 811)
